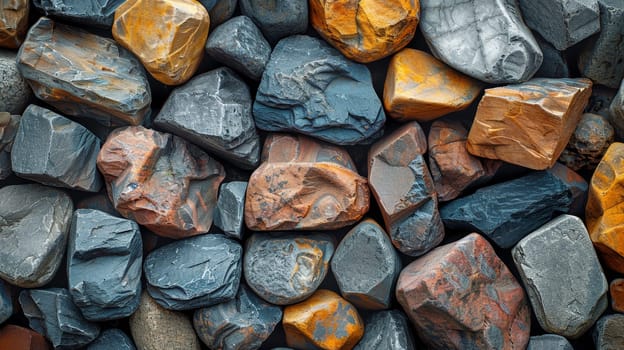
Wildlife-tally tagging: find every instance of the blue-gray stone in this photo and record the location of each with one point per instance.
(219, 10)
(6, 303)
(277, 19)
(616, 111)
(608, 333)
(14, 91)
(112, 339)
(387, 330)
(310, 88)
(549, 342)
(229, 212)
(99, 13)
(8, 128)
(554, 64)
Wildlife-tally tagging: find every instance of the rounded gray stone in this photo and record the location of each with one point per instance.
(14, 91)
(549, 342)
(112, 339)
(99, 13)
(8, 128)
(387, 330)
(219, 10)
(230, 209)
(277, 19)
(6, 303)
(609, 333)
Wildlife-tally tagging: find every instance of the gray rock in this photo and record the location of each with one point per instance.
(195, 272)
(219, 10)
(562, 276)
(243, 323)
(8, 128)
(589, 142)
(239, 44)
(213, 111)
(104, 260)
(52, 313)
(6, 303)
(99, 202)
(34, 223)
(55, 151)
(277, 19)
(486, 39)
(229, 212)
(387, 330)
(310, 88)
(609, 333)
(616, 111)
(555, 64)
(14, 91)
(98, 13)
(366, 266)
(284, 269)
(112, 339)
(549, 342)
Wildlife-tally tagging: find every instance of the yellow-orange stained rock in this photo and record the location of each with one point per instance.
(616, 290)
(366, 30)
(324, 321)
(168, 36)
(420, 87)
(13, 22)
(528, 124)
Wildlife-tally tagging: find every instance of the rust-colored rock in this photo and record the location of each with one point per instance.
(160, 181)
(168, 36)
(304, 184)
(13, 22)
(366, 30)
(454, 169)
(420, 87)
(324, 321)
(616, 290)
(20, 338)
(462, 296)
(528, 124)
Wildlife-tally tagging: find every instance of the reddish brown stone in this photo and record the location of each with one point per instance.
(160, 181)
(616, 289)
(19, 338)
(462, 296)
(13, 22)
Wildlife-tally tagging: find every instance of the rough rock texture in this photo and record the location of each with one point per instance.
(323, 321)
(549, 342)
(303, 184)
(8, 128)
(609, 333)
(310, 88)
(365, 31)
(34, 223)
(160, 181)
(445, 292)
(239, 324)
(400, 181)
(14, 90)
(588, 143)
(97, 13)
(20, 338)
(230, 210)
(6, 303)
(528, 124)
(555, 63)
(213, 111)
(98, 202)
(277, 19)
(616, 291)
(285, 269)
(52, 313)
(112, 339)
(616, 111)
(55, 151)
(13, 22)
(388, 330)
(84, 75)
(219, 10)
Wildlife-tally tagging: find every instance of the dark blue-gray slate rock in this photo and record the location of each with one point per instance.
(277, 19)
(230, 209)
(105, 256)
(14, 91)
(219, 10)
(387, 330)
(310, 88)
(99, 13)
(195, 272)
(609, 332)
(213, 111)
(616, 111)
(8, 128)
(243, 323)
(555, 64)
(112, 339)
(55, 151)
(549, 342)
(6, 303)
(52, 313)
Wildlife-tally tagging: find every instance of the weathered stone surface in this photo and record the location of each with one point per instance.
(400, 181)
(213, 111)
(242, 323)
(616, 291)
(323, 321)
(487, 40)
(277, 19)
(13, 22)
(168, 36)
(34, 223)
(99, 202)
(388, 330)
(6, 303)
(156, 328)
(20, 338)
(52, 313)
(112, 339)
(14, 90)
(528, 124)
(230, 210)
(219, 10)
(195, 272)
(55, 151)
(445, 293)
(84, 75)
(548, 259)
(555, 64)
(588, 143)
(239, 44)
(310, 88)
(8, 128)
(616, 111)
(609, 333)
(160, 181)
(90, 12)
(549, 342)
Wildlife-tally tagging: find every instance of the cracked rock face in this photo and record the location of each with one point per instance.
(98, 13)
(388, 330)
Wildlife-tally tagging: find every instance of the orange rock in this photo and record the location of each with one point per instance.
(13, 22)
(366, 30)
(323, 321)
(19, 338)
(616, 289)
(528, 124)
(168, 36)
(420, 87)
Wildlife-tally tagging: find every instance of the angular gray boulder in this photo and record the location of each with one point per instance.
(387, 330)
(229, 212)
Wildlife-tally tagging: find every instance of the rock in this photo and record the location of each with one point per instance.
(445, 293)
(528, 124)
(239, 44)
(96, 13)
(308, 87)
(14, 91)
(8, 128)
(590, 141)
(616, 291)
(156, 328)
(303, 184)
(34, 223)
(230, 210)
(172, 49)
(616, 111)
(609, 333)
(549, 342)
(601, 58)
(366, 266)
(284, 269)
(20, 338)
(550, 257)
(112, 339)
(55, 151)
(98, 202)
(52, 313)
(365, 31)
(401, 183)
(600, 101)
(323, 321)
(577, 186)
(160, 181)
(242, 323)
(277, 19)
(219, 10)
(486, 40)
(555, 64)
(13, 23)
(6, 302)
(388, 330)
(195, 272)
(213, 111)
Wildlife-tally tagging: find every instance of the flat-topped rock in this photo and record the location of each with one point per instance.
(588, 143)
(13, 22)
(20, 338)
(389, 330)
(96, 13)
(15, 93)
(8, 128)
(277, 19)
(229, 214)
(112, 339)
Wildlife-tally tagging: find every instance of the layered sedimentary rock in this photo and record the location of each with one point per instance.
(99, 13)
(13, 22)
(277, 19)
(588, 143)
